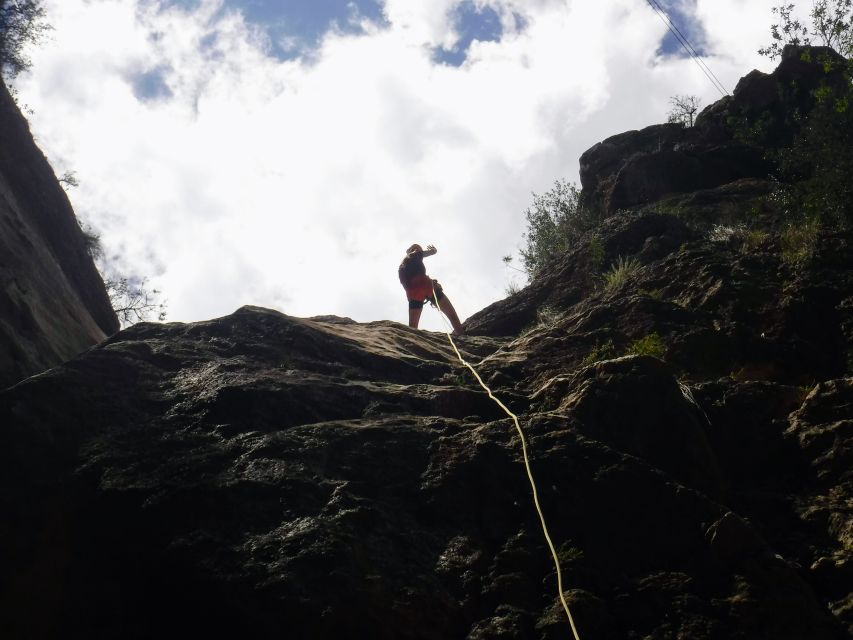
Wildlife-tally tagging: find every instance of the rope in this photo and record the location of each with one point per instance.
(526, 466)
(687, 46)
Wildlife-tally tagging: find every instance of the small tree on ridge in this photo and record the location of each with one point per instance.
(21, 23)
(683, 109)
(832, 26)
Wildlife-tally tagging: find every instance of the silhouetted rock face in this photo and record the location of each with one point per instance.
(53, 304)
(640, 167)
(266, 476)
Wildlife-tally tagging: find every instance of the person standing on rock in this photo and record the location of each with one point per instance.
(419, 287)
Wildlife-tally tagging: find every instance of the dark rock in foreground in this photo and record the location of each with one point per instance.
(265, 476)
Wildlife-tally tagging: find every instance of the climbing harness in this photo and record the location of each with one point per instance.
(526, 465)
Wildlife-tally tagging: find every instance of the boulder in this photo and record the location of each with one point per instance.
(635, 405)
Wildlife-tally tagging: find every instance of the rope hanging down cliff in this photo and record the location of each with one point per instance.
(529, 473)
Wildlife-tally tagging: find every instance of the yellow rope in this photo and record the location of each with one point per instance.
(526, 465)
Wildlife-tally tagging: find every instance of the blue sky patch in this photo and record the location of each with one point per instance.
(687, 25)
(470, 23)
(295, 27)
(151, 85)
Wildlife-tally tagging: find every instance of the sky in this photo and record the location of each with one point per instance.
(285, 153)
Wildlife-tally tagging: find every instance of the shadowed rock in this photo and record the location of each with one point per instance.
(640, 167)
(53, 304)
(263, 475)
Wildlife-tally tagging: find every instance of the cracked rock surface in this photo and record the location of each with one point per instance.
(267, 476)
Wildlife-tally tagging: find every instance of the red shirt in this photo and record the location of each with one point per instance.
(414, 279)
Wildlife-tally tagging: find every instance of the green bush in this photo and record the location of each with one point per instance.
(596, 253)
(555, 221)
(752, 239)
(816, 169)
(813, 141)
(603, 351)
(811, 144)
(650, 345)
(798, 242)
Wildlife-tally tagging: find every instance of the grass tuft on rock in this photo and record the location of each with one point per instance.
(621, 271)
(798, 242)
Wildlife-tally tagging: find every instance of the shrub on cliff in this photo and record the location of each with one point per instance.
(817, 168)
(649, 345)
(555, 221)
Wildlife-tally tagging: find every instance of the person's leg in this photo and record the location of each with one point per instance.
(415, 309)
(445, 305)
(415, 316)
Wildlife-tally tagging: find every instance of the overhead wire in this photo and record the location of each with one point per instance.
(691, 51)
(699, 59)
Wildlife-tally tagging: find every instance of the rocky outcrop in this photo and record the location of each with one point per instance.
(267, 476)
(720, 306)
(53, 304)
(728, 142)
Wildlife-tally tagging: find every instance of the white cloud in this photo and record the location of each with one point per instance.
(421, 22)
(298, 185)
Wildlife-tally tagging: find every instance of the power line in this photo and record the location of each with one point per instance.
(661, 13)
(698, 58)
(687, 46)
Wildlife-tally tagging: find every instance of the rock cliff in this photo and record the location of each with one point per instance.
(639, 167)
(265, 476)
(53, 304)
